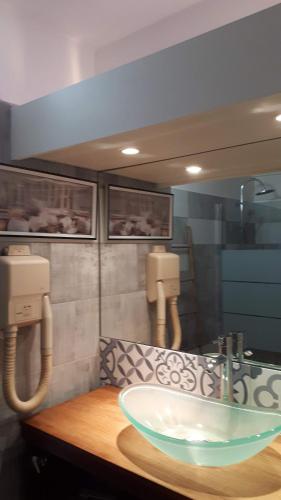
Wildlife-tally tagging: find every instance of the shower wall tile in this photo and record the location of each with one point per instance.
(124, 363)
(180, 230)
(191, 325)
(181, 202)
(185, 303)
(231, 210)
(268, 231)
(206, 232)
(203, 206)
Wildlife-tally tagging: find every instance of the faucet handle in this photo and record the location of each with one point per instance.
(238, 344)
(212, 363)
(222, 343)
(248, 353)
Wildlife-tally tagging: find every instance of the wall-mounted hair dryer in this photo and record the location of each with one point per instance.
(163, 284)
(24, 300)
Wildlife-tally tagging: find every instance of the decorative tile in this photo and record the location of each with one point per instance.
(107, 360)
(176, 369)
(134, 363)
(124, 363)
(208, 383)
(257, 386)
(243, 375)
(268, 395)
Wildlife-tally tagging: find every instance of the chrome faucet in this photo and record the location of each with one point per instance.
(224, 360)
(238, 347)
(231, 348)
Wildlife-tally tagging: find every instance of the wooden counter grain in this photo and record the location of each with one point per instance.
(90, 431)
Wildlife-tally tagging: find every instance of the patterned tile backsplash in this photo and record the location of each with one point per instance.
(124, 363)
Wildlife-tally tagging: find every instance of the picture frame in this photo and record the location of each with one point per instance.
(36, 204)
(138, 214)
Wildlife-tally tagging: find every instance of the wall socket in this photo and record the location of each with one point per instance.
(17, 250)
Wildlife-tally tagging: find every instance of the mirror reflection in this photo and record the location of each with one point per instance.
(219, 274)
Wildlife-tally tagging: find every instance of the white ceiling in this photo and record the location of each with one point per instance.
(98, 21)
(46, 45)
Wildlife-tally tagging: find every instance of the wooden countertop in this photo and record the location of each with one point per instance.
(91, 431)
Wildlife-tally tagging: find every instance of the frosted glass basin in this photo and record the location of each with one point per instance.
(196, 429)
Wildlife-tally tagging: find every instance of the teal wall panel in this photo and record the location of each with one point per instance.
(251, 265)
(255, 299)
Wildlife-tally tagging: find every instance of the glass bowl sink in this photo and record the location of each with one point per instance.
(196, 429)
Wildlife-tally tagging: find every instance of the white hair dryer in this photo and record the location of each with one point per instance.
(163, 284)
(24, 300)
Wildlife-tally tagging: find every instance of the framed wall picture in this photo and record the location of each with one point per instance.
(137, 214)
(38, 204)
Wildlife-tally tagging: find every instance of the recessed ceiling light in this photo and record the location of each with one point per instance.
(278, 118)
(130, 151)
(193, 169)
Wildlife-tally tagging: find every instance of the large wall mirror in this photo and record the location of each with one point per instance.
(227, 234)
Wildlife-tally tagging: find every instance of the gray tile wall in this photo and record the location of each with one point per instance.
(75, 305)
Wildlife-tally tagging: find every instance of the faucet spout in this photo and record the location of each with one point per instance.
(224, 360)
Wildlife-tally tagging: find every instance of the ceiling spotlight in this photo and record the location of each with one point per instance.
(130, 151)
(193, 169)
(278, 118)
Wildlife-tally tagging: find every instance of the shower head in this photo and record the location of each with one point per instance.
(265, 190)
